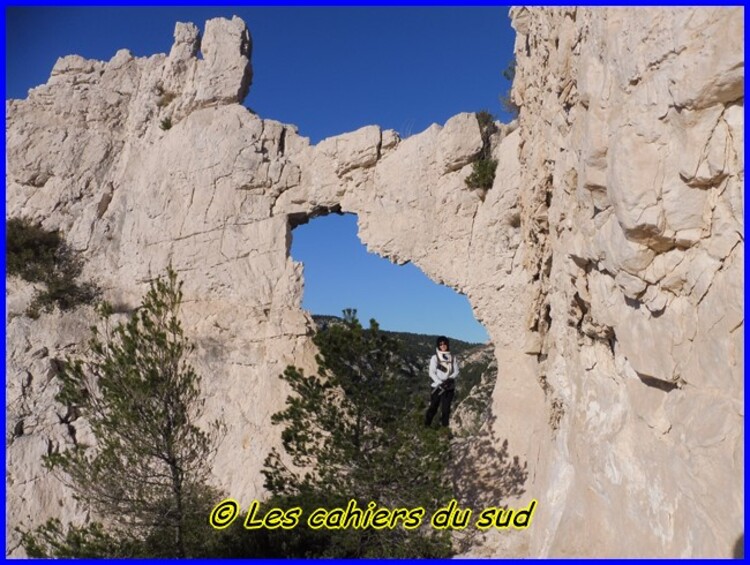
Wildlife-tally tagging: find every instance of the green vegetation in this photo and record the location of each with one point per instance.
(486, 124)
(483, 174)
(51, 540)
(150, 462)
(471, 376)
(483, 169)
(41, 256)
(166, 123)
(415, 351)
(31, 250)
(353, 431)
(414, 347)
(361, 438)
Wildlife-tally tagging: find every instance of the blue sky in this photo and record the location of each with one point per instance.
(328, 71)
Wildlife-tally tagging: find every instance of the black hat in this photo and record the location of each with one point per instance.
(443, 339)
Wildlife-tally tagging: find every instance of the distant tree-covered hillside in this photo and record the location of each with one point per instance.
(416, 350)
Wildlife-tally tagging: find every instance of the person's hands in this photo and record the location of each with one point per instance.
(447, 384)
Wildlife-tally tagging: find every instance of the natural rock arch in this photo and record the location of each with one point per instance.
(327, 245)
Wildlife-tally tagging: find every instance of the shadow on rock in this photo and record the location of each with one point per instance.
(739, 548)
(484, 472)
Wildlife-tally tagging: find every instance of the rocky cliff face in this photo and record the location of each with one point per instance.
(632, 181)
(605, 262)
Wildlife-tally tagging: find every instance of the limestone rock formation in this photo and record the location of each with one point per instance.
(605, 262)
(633, 181)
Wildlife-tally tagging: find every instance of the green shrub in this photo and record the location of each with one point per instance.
(487, 128)
(64, 292)
(150, 462)
(486, 122)
(30, 250)
(483, 174)
(40, 256)
(166, 123)
(354, 431)
(53, 540)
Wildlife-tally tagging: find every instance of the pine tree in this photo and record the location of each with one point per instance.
(360, 436)
(148, 467)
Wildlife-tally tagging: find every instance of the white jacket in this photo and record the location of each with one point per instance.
(439, 377)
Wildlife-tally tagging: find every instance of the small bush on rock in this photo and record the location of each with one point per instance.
(483, 174)
(486, 123)
(30, 249)
(41, 256)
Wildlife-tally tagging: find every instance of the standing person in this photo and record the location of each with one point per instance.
(443, 373)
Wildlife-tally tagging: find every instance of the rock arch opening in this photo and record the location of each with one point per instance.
(339, 272)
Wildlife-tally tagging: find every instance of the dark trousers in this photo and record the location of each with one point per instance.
(444, 400)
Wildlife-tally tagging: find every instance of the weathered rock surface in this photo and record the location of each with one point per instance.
(469, 415)
(632, 180)
(605, 262)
